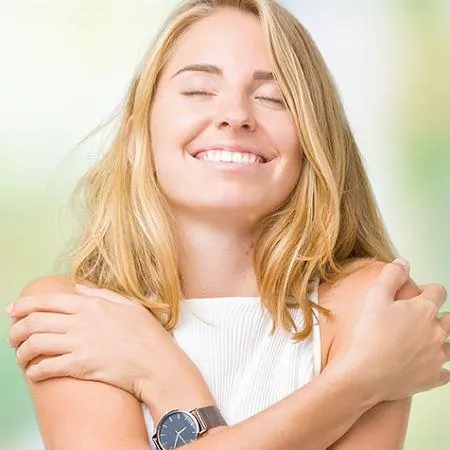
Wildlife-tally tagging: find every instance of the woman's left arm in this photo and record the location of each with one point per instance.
(98, 335)
(112, 343)
(383, 426)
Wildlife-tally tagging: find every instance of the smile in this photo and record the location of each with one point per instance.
(218, 155)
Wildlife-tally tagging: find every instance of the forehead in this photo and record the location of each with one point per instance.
(227, 38)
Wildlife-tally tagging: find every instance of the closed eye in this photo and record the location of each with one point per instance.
(204, 93)
(197, 93)
(271, 99)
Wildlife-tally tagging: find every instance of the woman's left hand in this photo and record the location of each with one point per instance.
(100, 336)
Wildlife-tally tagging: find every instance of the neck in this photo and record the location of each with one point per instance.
(215, 261)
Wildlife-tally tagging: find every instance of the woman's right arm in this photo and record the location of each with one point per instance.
(88, 415)
(74, 414)
(77, 414)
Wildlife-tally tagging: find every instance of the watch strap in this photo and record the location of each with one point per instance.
(209, 416)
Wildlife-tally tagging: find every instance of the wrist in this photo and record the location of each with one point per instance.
(180, 395)
(214, 430)
(347, 375)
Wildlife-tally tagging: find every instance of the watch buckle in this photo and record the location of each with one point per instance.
(202, 428)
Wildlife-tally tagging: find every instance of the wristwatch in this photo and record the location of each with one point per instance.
(177, 427)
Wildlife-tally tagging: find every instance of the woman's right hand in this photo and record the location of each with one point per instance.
(398, 348)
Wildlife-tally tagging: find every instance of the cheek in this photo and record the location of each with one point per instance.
(283, 137)
(172, 128)
(174, 123)
(291, 157)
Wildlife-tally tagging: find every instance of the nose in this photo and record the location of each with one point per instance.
(236, 114)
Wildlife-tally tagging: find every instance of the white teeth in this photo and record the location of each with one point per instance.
(237, 158)
(227, 156)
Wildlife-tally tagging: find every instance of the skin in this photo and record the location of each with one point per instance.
(216, 225)
(215, 230)
(356, 418)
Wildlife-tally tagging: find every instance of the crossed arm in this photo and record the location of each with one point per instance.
(328, 413)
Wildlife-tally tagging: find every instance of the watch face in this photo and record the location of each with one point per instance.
(177, 428)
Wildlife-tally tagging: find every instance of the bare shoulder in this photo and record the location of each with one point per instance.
(83, 414)
(345, 299)
(384, 425)
(49, 283)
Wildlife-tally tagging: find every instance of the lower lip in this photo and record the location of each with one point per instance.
(230, 167)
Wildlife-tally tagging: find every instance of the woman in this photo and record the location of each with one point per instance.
(234, 182)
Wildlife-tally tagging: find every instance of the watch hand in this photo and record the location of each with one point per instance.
(179, 432)
(181, 437)
(176, 440)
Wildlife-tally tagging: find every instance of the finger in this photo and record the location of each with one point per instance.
(41, 344)
(445, 377)
(37, 322)
(103, 293)
(434, 292)
(445, 322)
(54, 367)
(390, 279)
(58, 302)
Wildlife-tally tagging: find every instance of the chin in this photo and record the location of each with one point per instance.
(226, 204)
(235, 211)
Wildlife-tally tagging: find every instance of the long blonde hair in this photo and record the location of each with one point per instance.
(127, 243)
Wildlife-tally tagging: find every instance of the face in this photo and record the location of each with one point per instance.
(223, 142)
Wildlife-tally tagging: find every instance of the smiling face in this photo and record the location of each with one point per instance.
(223, 141)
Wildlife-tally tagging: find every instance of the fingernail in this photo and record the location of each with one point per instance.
(9, 309)
(402, 263)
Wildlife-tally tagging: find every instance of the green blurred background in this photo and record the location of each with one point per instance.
(65, 66)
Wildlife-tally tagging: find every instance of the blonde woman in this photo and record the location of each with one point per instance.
(233, 206)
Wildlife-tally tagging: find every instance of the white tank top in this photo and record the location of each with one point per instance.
(246, 368)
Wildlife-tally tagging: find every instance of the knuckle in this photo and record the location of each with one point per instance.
(28, 324)
(20, 357)
(99, 305)
(430, 310)
(441, 335)
(32, 321)
(33, 343)
(442, 291)
(395, 268)
(437, 291)
(25, 326)
(90, 306)
(21, 362)
(41, 369)
(442, 358)
(444, 378)
(46, 368)
(397, 271)
(438, 339)
(95, 302)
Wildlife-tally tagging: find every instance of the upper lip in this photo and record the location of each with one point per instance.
(234, 146)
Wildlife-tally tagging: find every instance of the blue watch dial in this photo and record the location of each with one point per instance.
(177, 428)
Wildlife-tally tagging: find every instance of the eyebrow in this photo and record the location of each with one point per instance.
(215, 70)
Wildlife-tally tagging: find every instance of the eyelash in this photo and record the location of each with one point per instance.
(204, 93)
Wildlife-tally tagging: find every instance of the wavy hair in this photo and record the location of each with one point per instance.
(127, 241)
